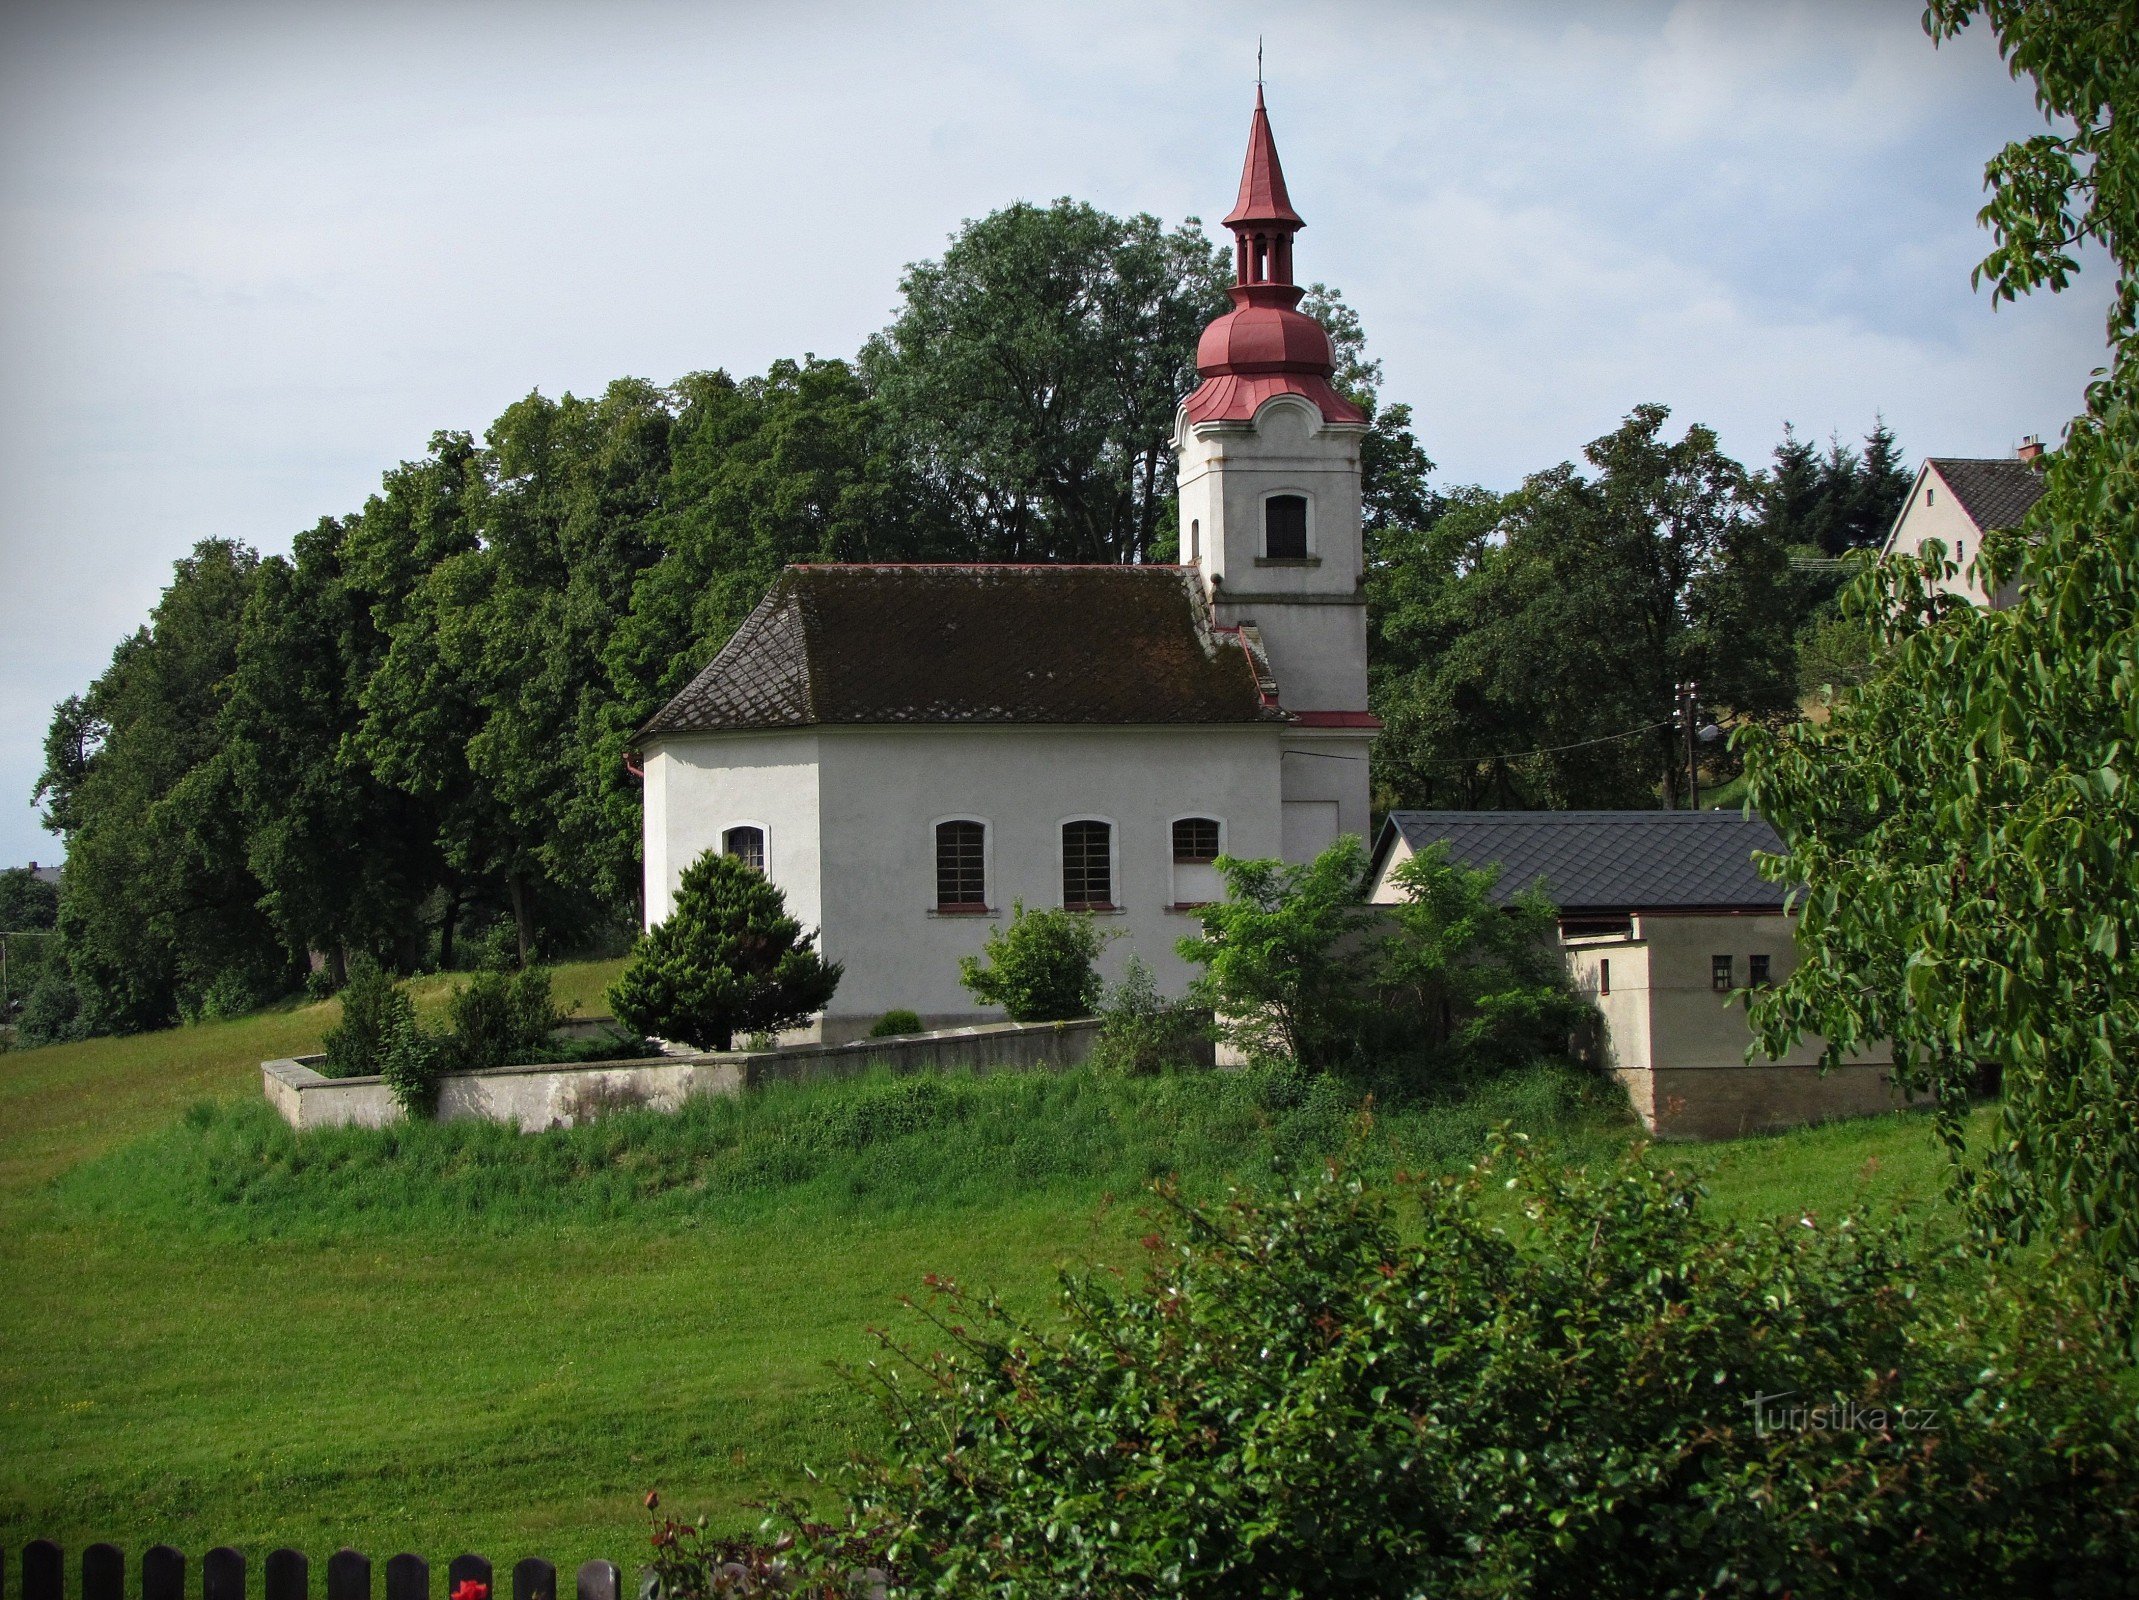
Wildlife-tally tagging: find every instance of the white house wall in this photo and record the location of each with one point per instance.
(1934, 511)
(882, 789)
(700, 785)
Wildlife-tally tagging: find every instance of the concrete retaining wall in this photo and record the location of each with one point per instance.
(553, 1096)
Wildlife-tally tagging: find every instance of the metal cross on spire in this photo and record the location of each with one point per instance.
(1258, 61)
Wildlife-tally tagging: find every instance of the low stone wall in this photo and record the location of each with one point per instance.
(553, 1096)
(1730, 1102)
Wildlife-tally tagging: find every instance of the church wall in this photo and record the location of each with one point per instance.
(699, 785)
(884, 789)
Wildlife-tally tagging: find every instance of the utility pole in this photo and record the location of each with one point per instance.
(1688, 717)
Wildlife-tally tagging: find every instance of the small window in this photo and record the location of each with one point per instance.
(961, 866)
(1195, 539)
(1195, 841)
(1285, 527)
(1087, 867)
(1604, 975)
(1719, 974)
(1757, 971)
(1960, 552)
(1930, 495)
(747, 845)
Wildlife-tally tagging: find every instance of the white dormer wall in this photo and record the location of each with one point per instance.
(1311, 613)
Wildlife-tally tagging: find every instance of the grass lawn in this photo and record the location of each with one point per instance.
(453, 1338)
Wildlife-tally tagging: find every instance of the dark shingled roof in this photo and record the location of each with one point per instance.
(1605, 861)
(1995, 493)
(972, 644)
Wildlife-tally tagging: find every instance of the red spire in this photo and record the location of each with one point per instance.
(1262, 180)
(1265, 346)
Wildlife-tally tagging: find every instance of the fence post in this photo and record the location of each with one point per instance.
(223, 1574)
(163, 1574)
(103, 1573)
(407, 1578)
(348, 1575)
(44, 1571)
(289, 1575)
(532, 1579)
(464, 1569)
(600, 1580)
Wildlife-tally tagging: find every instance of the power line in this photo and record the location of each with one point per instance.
(1552, 749)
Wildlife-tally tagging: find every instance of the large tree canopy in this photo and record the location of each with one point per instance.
(1965, 825)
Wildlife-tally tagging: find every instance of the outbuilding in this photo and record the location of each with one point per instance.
(1665, 923)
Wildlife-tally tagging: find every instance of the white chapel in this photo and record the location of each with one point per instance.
(909, 750)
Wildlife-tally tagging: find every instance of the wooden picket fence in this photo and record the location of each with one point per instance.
(287, 1575)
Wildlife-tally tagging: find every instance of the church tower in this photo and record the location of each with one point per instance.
(1270, 515)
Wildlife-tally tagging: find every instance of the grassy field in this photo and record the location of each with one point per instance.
(455, 1338)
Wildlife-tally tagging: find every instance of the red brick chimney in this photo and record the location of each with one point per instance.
(2030, 449)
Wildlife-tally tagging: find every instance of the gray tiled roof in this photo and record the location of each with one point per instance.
(1995, 493)
(1599, 861)
(972, 644)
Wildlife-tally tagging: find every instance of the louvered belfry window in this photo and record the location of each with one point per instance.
(961, 866)
(747, 845)
(1087, 867)
(1285, 527)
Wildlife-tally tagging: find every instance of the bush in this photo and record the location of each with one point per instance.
(1345, 1392)
(894, 1023)
(728, 959)
(1142, 1032)
(373, 1008)
(1286, 957)
(52, 1012)
(320, 984)
(1039, 969)
(412, 1060)
(1472, 985)
(499, 1019)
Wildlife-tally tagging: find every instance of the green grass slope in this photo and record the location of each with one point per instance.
(448, 1338)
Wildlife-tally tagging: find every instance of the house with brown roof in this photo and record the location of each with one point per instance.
(909, 751)
(1665, 924)
(1959, 499)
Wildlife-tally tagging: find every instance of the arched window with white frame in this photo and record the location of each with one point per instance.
(1285, 527)
(746, 842)
(1198, 842)
(1088, 864)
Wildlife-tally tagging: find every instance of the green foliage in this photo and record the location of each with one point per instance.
(499, 1019)
(1142, 1032)
(374, 1011)
(1032, 375)
(1962, 824)
(728, 959)
(412, 1059)
(894, 1023)
(1286, 957)
(1040, 968)
(1834, 652)
(1345, 1392)
(28, 904)
(52, 1010)
(1481, 986)
(1832, 504)
(1651, 571)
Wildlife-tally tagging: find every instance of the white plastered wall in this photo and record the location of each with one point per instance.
(699, 785)
(1311, 614)
(883, 787)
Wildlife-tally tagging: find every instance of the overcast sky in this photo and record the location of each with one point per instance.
(254, 254)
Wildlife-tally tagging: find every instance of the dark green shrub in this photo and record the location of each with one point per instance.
(894, 1023)
(1345, 1392)
(373, 1007)
(320, 984)
(500, 1018)
(728, 959)
(1142, 1032)
(52, 1012)
(1039, 969)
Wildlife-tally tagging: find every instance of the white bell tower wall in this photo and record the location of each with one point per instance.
(1309, 607)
